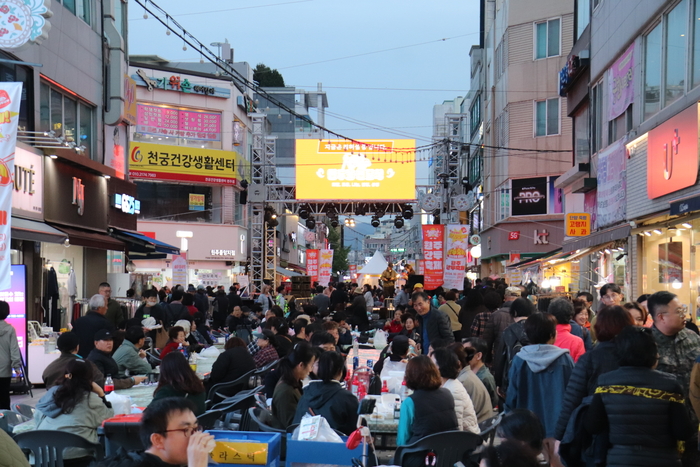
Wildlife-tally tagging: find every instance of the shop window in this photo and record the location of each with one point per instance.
(178, 127)
(618, 127)
(652, 72)
(583, 16)
(675, 52)
(80, 8)
(67, 117)
(475, 167)
(17, 73)
(581, 138)
(547, 38)
(504, 202)
(169, 202)
(696, 44)
(475, 115)
(547, 117)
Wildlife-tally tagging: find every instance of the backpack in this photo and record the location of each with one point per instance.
(513, 343)
(174, 314)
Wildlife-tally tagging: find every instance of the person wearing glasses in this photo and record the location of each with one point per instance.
(171, 438)
(610, 294)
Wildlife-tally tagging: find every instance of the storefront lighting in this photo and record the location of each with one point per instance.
(677, 284)
(607, 250)
(107, 177)
(687, 225)
(555, 281)
(53, 156)
(546, 284)
(658, 231)
(647, 233)
(476, 252)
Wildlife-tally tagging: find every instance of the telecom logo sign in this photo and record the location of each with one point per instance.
(350, 170)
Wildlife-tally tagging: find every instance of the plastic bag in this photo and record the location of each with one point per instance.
(315, 428)
(120, 404)
(209, 352)
(380, 339)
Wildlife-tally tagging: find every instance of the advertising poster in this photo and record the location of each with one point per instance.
(342, 169)
(353, 271)
(325, 267)
(611, 201)
(312, 257)
(529, 196)
(190, 124)
(433, 245)
(10, 95)
(17, 299)
(621, 84)
(179, 266)
(196, 202)
(457, 243)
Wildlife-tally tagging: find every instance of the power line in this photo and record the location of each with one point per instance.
(229, 9)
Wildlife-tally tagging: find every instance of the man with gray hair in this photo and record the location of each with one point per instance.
(94, 320)
(499, 321)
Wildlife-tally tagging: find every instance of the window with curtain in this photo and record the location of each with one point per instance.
(67, 117)
(547, 117)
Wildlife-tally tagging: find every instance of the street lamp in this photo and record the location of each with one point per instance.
(183, 235)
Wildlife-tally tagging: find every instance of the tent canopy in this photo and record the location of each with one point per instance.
(375, 266)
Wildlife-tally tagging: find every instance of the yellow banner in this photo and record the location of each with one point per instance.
(346, 170)
(240, 452)
(149, 161)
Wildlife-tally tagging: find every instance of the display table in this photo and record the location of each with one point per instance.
(38, 360)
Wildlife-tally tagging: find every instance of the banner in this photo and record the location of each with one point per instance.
(312, 264)
(325, 267)
(10, 95)
(353, 271)
(179, 265)
(612, 202)
(457, 243)
(433, 256)
(621, 84)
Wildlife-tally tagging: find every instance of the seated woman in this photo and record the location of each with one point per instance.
(264, 349)
(642, 408)
(292, 370)
(77, 405)
(188, 326)
(177, 379)
(449, 367)
(327, 397)
(430, 409)
(177, 338)
(233, 363)
(409, 328)
(394, 326)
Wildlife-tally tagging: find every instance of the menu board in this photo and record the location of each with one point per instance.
(190, 124)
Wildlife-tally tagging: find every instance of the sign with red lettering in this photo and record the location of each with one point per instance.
(433, 247)
(578, 224)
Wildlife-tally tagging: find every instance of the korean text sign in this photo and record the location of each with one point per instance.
(457, 242)
(342, 169)
(611, 198)
(433, 247)
(578, 224)
(163, 162)
(312, 257)
(621, 83)
(190, 124)
(325, 267)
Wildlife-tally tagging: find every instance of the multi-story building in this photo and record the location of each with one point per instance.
(526, 142)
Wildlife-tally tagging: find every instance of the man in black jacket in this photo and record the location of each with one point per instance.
(101, 356)
(434, 324)
(512, 340)
(94, 320)
(201, 300)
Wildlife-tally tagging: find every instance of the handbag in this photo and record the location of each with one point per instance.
(161, 338)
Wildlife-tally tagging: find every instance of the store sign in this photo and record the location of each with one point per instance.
(312, 257)
(238, 132)
(515, 235)
(196, 202)
(178, 163)
(130, 109)
(353, 271)
(621, 84)
(541, 237)
(127, 204)
(514, 258)
(342, 169)
(457, 243)
(16, 297)
(433, 247)
(529, 196)
(23, 21)
(165, 121)
(28, 179)
(672, 154)
(178, 84)
(611, 198)
(223, 252)
(578, 224)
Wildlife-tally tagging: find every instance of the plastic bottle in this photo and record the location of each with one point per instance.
(361, 391)
(193, 361)
(355, 386)
(355, 347)
(385, 387)
(397, 410)
(109, 384)
(403, 392)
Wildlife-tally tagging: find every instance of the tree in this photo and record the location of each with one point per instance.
(340, 253)
(267, 77)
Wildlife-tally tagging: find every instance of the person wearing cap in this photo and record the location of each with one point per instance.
(68, 344)
(129, 356)
(100, 355)
(94, 320)
(388, 279)
(264, 349)
(418, 287)
(499, 321)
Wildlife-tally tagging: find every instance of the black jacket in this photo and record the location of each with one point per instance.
(584, 380)
(201, 301)
(498, 322)
(231, 365)
(86, 326)
(284, 345)
(337, 405)
(123, 458)
(514, 336)
(643, 427)
(434, 412)
(104, 362)
(438, 327)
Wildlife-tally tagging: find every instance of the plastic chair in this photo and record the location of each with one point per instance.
(260, 373)
(221, 391)
(488, 428)
(152, 359)
(208, 419)
(4, 426)
(13, 418)
(48, 445)
(24, 409)
(262, 420)
(449, 447)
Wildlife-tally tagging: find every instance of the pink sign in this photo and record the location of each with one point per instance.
(164, 121)
(312, 264)
(433, 264)
(621, 83)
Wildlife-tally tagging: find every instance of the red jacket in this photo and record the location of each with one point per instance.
(169, 347)
(393, 327)
(566, 340)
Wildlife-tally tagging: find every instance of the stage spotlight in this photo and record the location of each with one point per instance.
(398, 222)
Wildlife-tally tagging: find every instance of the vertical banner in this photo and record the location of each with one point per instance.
(10, 95)
(433, 236)
(612, 185)
(312, 264)
(457, 240)
(621, 84)
(179, 266)
(325, 267)
(353, 271)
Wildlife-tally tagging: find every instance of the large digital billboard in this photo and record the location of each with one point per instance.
(351, 170)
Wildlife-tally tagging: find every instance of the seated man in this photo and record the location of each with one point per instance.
(101, 357)
(129, 356)
(69, 345)
(171, 436)
(235, 319)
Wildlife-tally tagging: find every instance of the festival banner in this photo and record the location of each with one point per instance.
(433, 236)
(612, 199)
(325, 267)
(312, 264)
(457, 242)
(10, 95)
(621, 84)
(180, 273)
(353, 271)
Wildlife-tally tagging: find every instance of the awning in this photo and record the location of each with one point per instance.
(35, 231)
(533, 260)
(685, 206)
(598, 238)
(287, 272)
(91, 239)
(139, 243)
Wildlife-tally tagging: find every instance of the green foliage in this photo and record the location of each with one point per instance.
(340, 253)
(267, 77)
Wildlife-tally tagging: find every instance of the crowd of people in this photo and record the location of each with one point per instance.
(618, 385)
